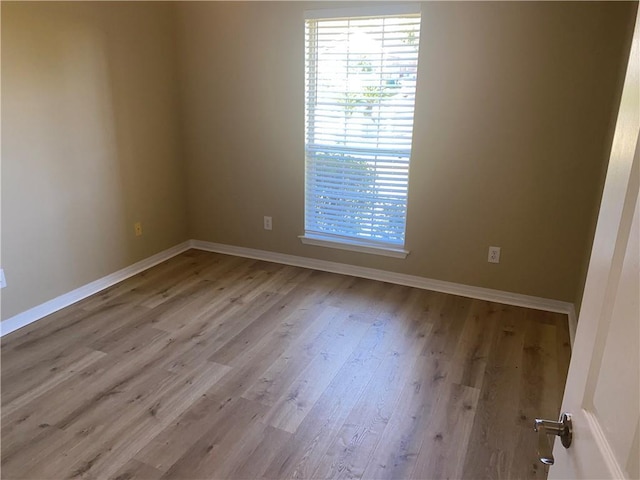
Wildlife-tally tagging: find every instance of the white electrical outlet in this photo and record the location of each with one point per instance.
(494, 255)
(137, 228)
(3, 281)
(268, 225)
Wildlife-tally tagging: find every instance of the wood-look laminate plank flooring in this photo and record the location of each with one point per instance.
(213, 366)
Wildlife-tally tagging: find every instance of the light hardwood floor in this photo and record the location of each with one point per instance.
(213, 366)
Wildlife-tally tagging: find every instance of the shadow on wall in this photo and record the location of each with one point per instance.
(88, 145)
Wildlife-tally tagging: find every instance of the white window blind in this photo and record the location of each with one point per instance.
(360, 95)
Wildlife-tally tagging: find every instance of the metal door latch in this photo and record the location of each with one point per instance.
(561, 428)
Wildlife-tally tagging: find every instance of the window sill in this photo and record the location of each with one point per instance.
(354, 246)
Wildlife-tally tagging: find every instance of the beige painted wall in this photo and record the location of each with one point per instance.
(513, 123)
(512, 130)
(90, 143)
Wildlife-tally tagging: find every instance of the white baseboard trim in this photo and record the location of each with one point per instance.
(480, 293)
(36, 313)
(40, 311)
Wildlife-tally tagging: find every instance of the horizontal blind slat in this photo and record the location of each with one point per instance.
(354, 223)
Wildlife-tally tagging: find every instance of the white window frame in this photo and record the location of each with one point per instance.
(326, 239)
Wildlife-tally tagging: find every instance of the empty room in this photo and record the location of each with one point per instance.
(320, 240)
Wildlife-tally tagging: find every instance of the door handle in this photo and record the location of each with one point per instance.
(561, 428)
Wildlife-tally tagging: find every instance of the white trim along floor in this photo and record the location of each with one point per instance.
(58, 303)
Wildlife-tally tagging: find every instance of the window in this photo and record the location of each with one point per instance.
(360, 94)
